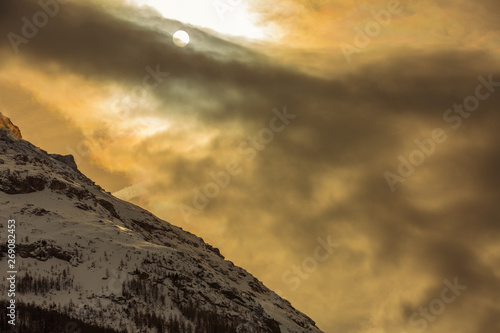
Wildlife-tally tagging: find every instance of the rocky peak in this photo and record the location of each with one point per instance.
(69, 160)
(12, 131)
(7, 126)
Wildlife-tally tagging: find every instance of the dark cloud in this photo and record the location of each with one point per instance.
(323, 175)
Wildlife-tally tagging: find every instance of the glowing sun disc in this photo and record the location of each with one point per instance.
(180, 38)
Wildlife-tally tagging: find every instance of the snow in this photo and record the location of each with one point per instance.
(108, 239)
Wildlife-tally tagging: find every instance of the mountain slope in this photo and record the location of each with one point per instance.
(86, 255)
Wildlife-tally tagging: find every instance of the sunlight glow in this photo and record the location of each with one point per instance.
(229, 17)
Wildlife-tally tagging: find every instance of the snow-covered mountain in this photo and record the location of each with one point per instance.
(89, 262)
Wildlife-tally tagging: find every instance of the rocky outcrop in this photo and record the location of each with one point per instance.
(8, 127)
(41, 250)
(69, 160)
(14, 183)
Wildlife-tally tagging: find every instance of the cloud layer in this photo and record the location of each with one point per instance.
(172, 119)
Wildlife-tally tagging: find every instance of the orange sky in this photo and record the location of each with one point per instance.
(78, 86)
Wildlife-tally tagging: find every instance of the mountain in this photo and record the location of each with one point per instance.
(89, 262)
(9, 128)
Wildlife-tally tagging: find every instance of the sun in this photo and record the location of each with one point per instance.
(229, 17)
(180, 38)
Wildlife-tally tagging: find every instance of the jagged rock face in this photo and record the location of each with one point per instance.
(7, 126)
(69, 160)
(121, 267)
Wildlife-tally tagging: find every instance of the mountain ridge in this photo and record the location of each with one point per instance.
(140, 272)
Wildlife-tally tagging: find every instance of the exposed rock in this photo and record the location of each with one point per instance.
(109, 207)
(18, 185)
(69, 160)
(8, 127)
(41, 250)
(57, 185)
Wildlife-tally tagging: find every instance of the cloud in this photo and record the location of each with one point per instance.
(323, 174)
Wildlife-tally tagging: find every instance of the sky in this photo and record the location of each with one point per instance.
(344, 152)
